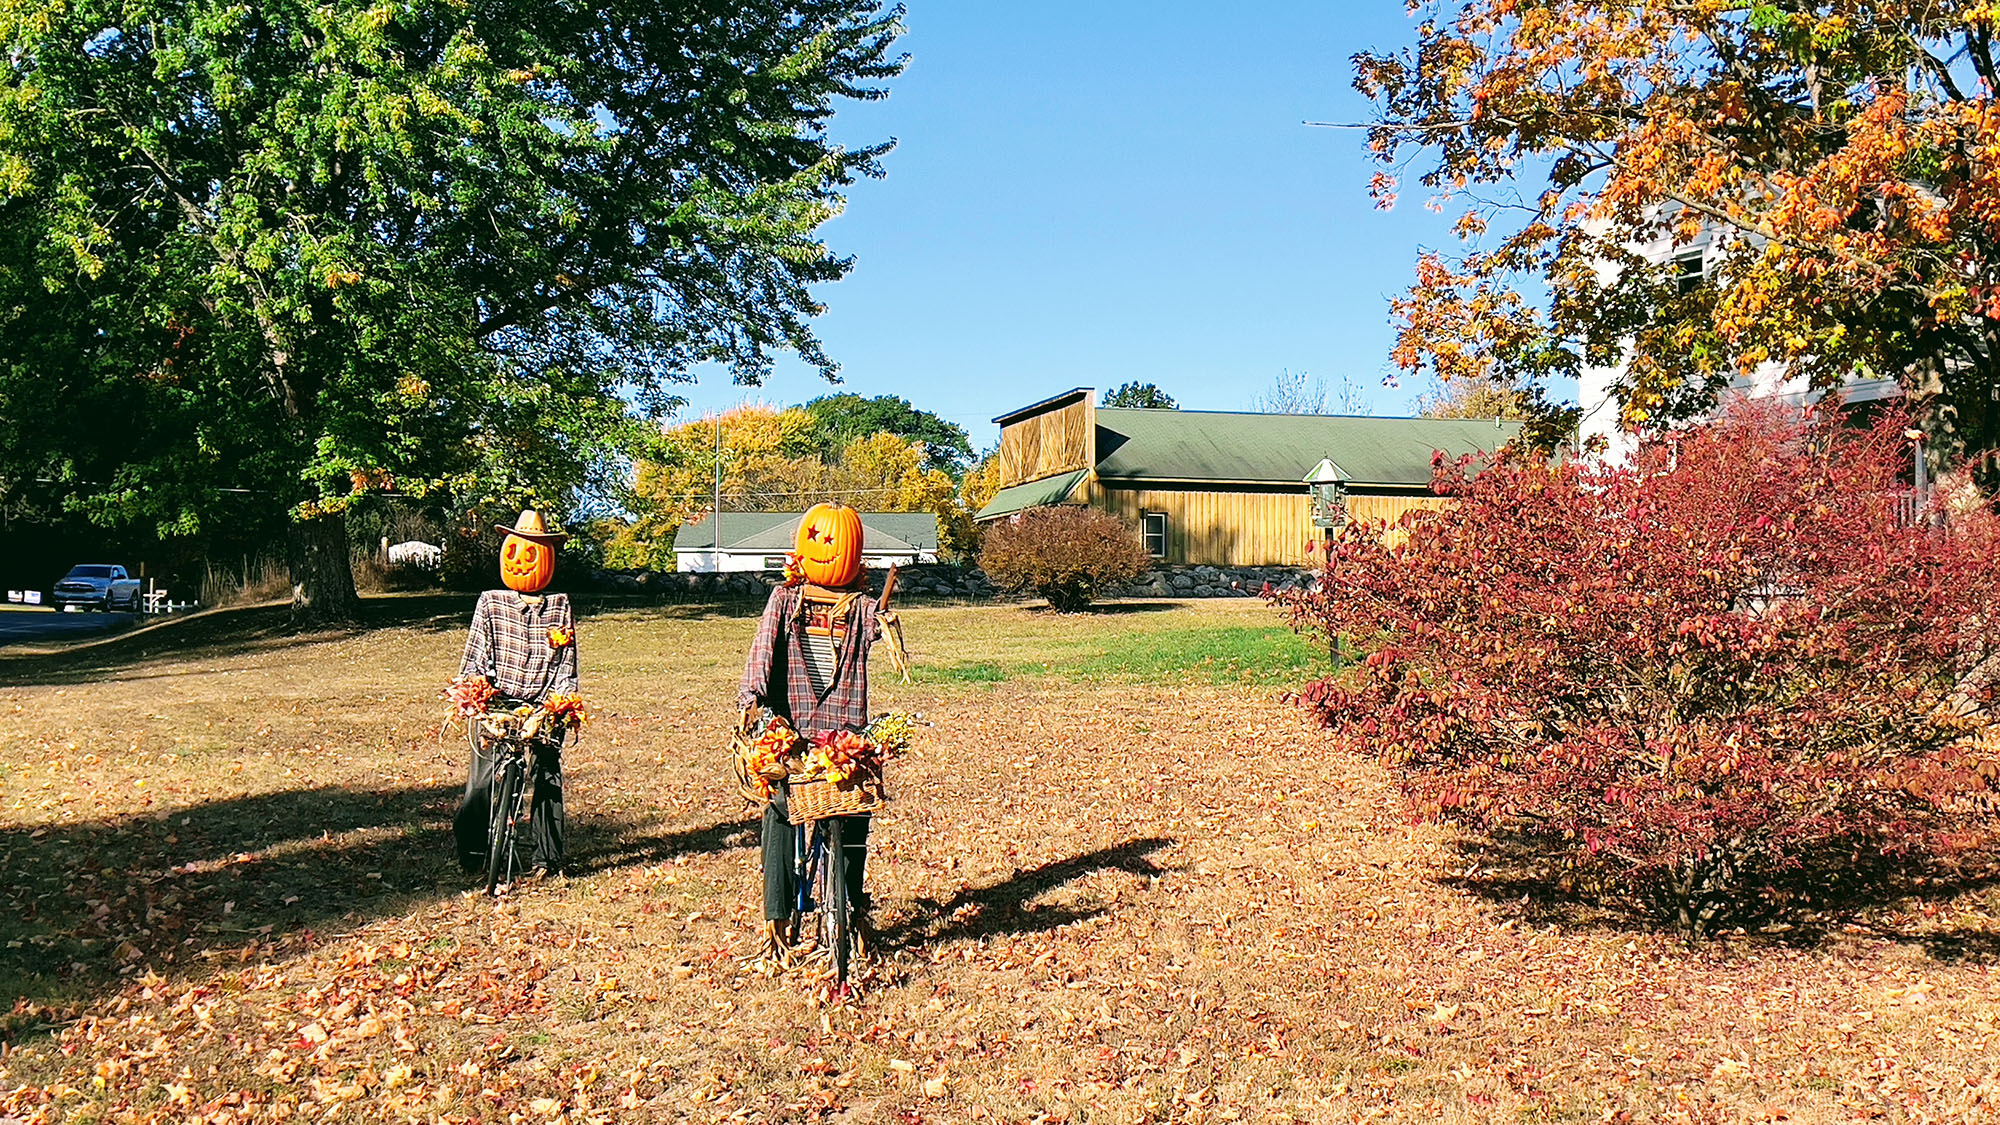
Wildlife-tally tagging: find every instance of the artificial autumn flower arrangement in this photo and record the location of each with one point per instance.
(795, 571)
(773, 750)
(566, 709)
(472, 697)
(468, 695)
(842, 756)
(770, 741)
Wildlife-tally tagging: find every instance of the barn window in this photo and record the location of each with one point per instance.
(1156, 533)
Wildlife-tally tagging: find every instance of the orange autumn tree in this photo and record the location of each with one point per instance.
(1843, 159)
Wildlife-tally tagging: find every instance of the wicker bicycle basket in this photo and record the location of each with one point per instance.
(816, 798)
(809, 797)
(747, 783)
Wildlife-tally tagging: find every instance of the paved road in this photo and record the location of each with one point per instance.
(39, 625)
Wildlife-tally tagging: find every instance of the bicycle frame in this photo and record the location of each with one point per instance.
(508, 795)
(820, 887)
(807, 849)
(507, 805)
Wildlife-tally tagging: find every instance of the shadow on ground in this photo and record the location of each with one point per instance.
(1007, 907)
(1805, 906)
(84, 906)
(1100, 609)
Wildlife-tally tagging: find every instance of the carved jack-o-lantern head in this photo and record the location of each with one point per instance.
(829, 544)
(528, 554)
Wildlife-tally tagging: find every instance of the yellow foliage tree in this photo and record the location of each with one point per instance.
(1475, 398)
(775, 460)
(959, 536)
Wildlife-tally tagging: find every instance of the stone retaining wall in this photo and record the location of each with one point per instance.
(943, 580)
(1214, 581)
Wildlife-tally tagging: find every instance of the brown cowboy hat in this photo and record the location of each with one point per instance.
(530, 526)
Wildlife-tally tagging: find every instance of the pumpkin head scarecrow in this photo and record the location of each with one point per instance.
(808, 669)
(828, 545)
(528, 553)
(522, 646)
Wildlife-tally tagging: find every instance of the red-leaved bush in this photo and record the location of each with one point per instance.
(1713, 682)
(1067, 554)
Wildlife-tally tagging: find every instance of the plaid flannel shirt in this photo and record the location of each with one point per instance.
(775, 675)
(509, 645)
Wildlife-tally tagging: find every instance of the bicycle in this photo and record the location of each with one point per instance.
(819, 881)
(817, 798)
(511, 735)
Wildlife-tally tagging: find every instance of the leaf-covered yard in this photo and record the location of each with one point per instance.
(1119, 882)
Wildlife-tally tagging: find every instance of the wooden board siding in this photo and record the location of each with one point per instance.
(1215, 527)
(1059, 441)
(1389, 509)
(1219, 528)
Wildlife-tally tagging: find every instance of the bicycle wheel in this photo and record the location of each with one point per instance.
(834, 919)
(505, 795)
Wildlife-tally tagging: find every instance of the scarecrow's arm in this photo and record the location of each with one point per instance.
(756, 685)
(478, 658)
(564, 679)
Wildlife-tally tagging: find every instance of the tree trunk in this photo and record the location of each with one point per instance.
(322, 573)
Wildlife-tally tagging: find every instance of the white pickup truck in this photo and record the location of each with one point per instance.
(97, 586)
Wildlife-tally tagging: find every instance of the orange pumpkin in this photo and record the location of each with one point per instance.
(829, 544)
(528, 554)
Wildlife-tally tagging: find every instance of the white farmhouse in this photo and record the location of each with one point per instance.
(1692, 262)
(761, 540)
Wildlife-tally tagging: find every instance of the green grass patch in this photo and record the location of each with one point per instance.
(964, 672)
(1225, 654)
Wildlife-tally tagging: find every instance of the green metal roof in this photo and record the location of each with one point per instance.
(1014, 498)
(774, 532)
(1205, 445)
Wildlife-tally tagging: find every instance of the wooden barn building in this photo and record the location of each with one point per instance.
(1222, 488)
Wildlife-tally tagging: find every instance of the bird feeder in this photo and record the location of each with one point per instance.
(1327, 485)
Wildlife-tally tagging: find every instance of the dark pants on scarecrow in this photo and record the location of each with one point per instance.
(780, 887)
(545, 814)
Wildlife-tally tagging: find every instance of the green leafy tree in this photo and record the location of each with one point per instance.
(842, 418)
(1140, 396)
(306, 252)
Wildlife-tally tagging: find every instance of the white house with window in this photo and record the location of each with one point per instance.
(761, 540)
(1692, 262)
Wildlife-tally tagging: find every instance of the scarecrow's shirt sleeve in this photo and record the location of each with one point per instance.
(565, 676)
(756, 685)
(478, 658)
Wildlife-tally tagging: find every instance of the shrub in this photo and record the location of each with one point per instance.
(1713, 683)
(1066, 554)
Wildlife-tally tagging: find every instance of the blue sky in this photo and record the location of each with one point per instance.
(1086, 194)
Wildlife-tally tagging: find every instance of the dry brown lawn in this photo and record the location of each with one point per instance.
(1120, 882)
